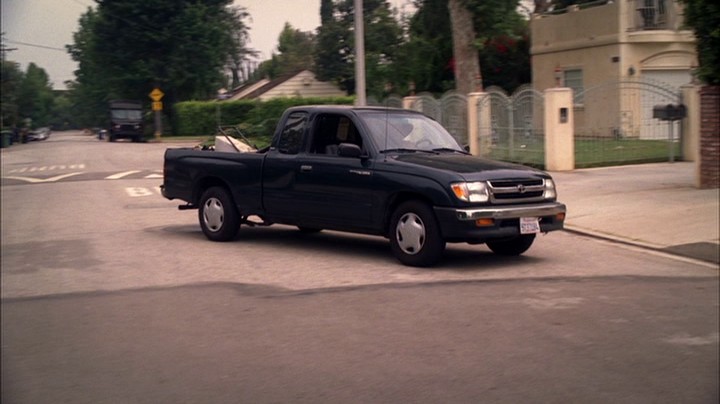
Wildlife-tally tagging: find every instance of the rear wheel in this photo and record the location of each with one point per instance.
(415, 237)
(513, 246)
(219, 218)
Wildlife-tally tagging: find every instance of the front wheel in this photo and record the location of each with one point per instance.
(514, 246)
(415, 237)
(219, 218)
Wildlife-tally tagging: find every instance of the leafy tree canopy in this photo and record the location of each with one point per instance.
(704, 18)
(335, 57)
(295, 49)
(124, 48)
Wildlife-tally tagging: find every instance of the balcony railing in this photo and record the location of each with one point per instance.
(654, 15)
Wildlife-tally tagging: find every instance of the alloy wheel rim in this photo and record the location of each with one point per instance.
(213, 214)
(410, 233)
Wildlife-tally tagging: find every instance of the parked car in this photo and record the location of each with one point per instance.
(39, 134)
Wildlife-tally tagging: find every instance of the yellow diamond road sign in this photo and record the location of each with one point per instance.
(156, 94)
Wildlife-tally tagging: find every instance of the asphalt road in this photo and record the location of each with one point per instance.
(110, 294)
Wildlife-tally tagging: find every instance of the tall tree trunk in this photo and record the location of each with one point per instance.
(467, 62)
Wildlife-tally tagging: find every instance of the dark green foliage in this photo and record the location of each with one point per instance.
(27, 97)
(125, 48)
(505, 62)
(256, 118)
(296, 49)
(335, 52)
(426, 57)
(703, 16)
(12, 78)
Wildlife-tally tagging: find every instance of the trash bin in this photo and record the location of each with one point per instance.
(6, 140)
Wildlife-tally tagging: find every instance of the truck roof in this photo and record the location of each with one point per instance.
(336, 108)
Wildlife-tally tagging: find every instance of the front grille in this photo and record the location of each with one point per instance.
(517, 190)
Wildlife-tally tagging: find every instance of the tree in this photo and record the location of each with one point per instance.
(35, 96)
(426, 56)
(335, 55)
(505, 62)
(12, 78)
(296, 49)
(465, 53)
(240, 57)
(124, 48)
(704, 17)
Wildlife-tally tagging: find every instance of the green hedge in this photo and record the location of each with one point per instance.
(256, 118)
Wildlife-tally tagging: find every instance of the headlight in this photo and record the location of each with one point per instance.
(550, 192)
(471, 191)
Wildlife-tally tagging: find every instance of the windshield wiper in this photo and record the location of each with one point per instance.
(448, 149)
(403, 150)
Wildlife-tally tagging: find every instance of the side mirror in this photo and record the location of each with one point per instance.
(349, 150)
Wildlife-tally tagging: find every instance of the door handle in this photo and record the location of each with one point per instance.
(305, 168)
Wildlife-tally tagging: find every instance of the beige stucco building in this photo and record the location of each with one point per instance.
(622, 41)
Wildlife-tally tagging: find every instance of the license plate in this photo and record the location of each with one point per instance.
(529, 225)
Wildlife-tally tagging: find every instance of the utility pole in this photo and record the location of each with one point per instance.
(359, 55)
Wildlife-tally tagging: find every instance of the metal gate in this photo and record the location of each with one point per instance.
(514, 126)
(450, 111)
(614, 124)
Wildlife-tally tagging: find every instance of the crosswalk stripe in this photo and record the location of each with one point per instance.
(39, 180)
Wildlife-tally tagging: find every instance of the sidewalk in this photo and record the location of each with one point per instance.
(653, 206)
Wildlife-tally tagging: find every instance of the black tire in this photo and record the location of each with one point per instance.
(414, 234)
(218, 216)
(513, 246)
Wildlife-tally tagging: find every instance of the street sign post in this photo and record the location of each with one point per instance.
(156, 95)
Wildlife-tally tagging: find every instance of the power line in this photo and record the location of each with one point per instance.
(35, 45)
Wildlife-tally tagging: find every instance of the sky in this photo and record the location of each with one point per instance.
(38, 30)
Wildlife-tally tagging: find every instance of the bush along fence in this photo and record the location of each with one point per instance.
(257, 119)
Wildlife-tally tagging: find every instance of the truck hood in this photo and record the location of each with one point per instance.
(471, 168)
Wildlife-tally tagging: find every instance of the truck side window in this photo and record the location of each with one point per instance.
(330, 131)
(291, 137)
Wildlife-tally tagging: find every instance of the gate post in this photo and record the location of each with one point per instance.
(690, 126)
(559, 130)
(409, 101)
(478, 115)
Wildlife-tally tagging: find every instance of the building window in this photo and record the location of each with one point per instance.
(574, 79)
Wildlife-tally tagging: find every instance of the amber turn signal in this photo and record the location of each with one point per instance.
(560, 216)
(484, 222)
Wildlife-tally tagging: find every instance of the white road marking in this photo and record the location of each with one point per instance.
(49, 168)
(141, 191)
(121, 175)
(38, 180)
(154, 176)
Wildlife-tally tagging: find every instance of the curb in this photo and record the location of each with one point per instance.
(641, 245)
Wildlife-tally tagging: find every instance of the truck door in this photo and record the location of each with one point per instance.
(337, 191)
(282, 166)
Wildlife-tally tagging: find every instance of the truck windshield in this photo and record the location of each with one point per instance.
(397, 131)
(126, 114)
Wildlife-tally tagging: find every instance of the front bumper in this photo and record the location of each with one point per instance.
(459, 224)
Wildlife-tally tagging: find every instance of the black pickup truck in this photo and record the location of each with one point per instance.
(386, 172)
